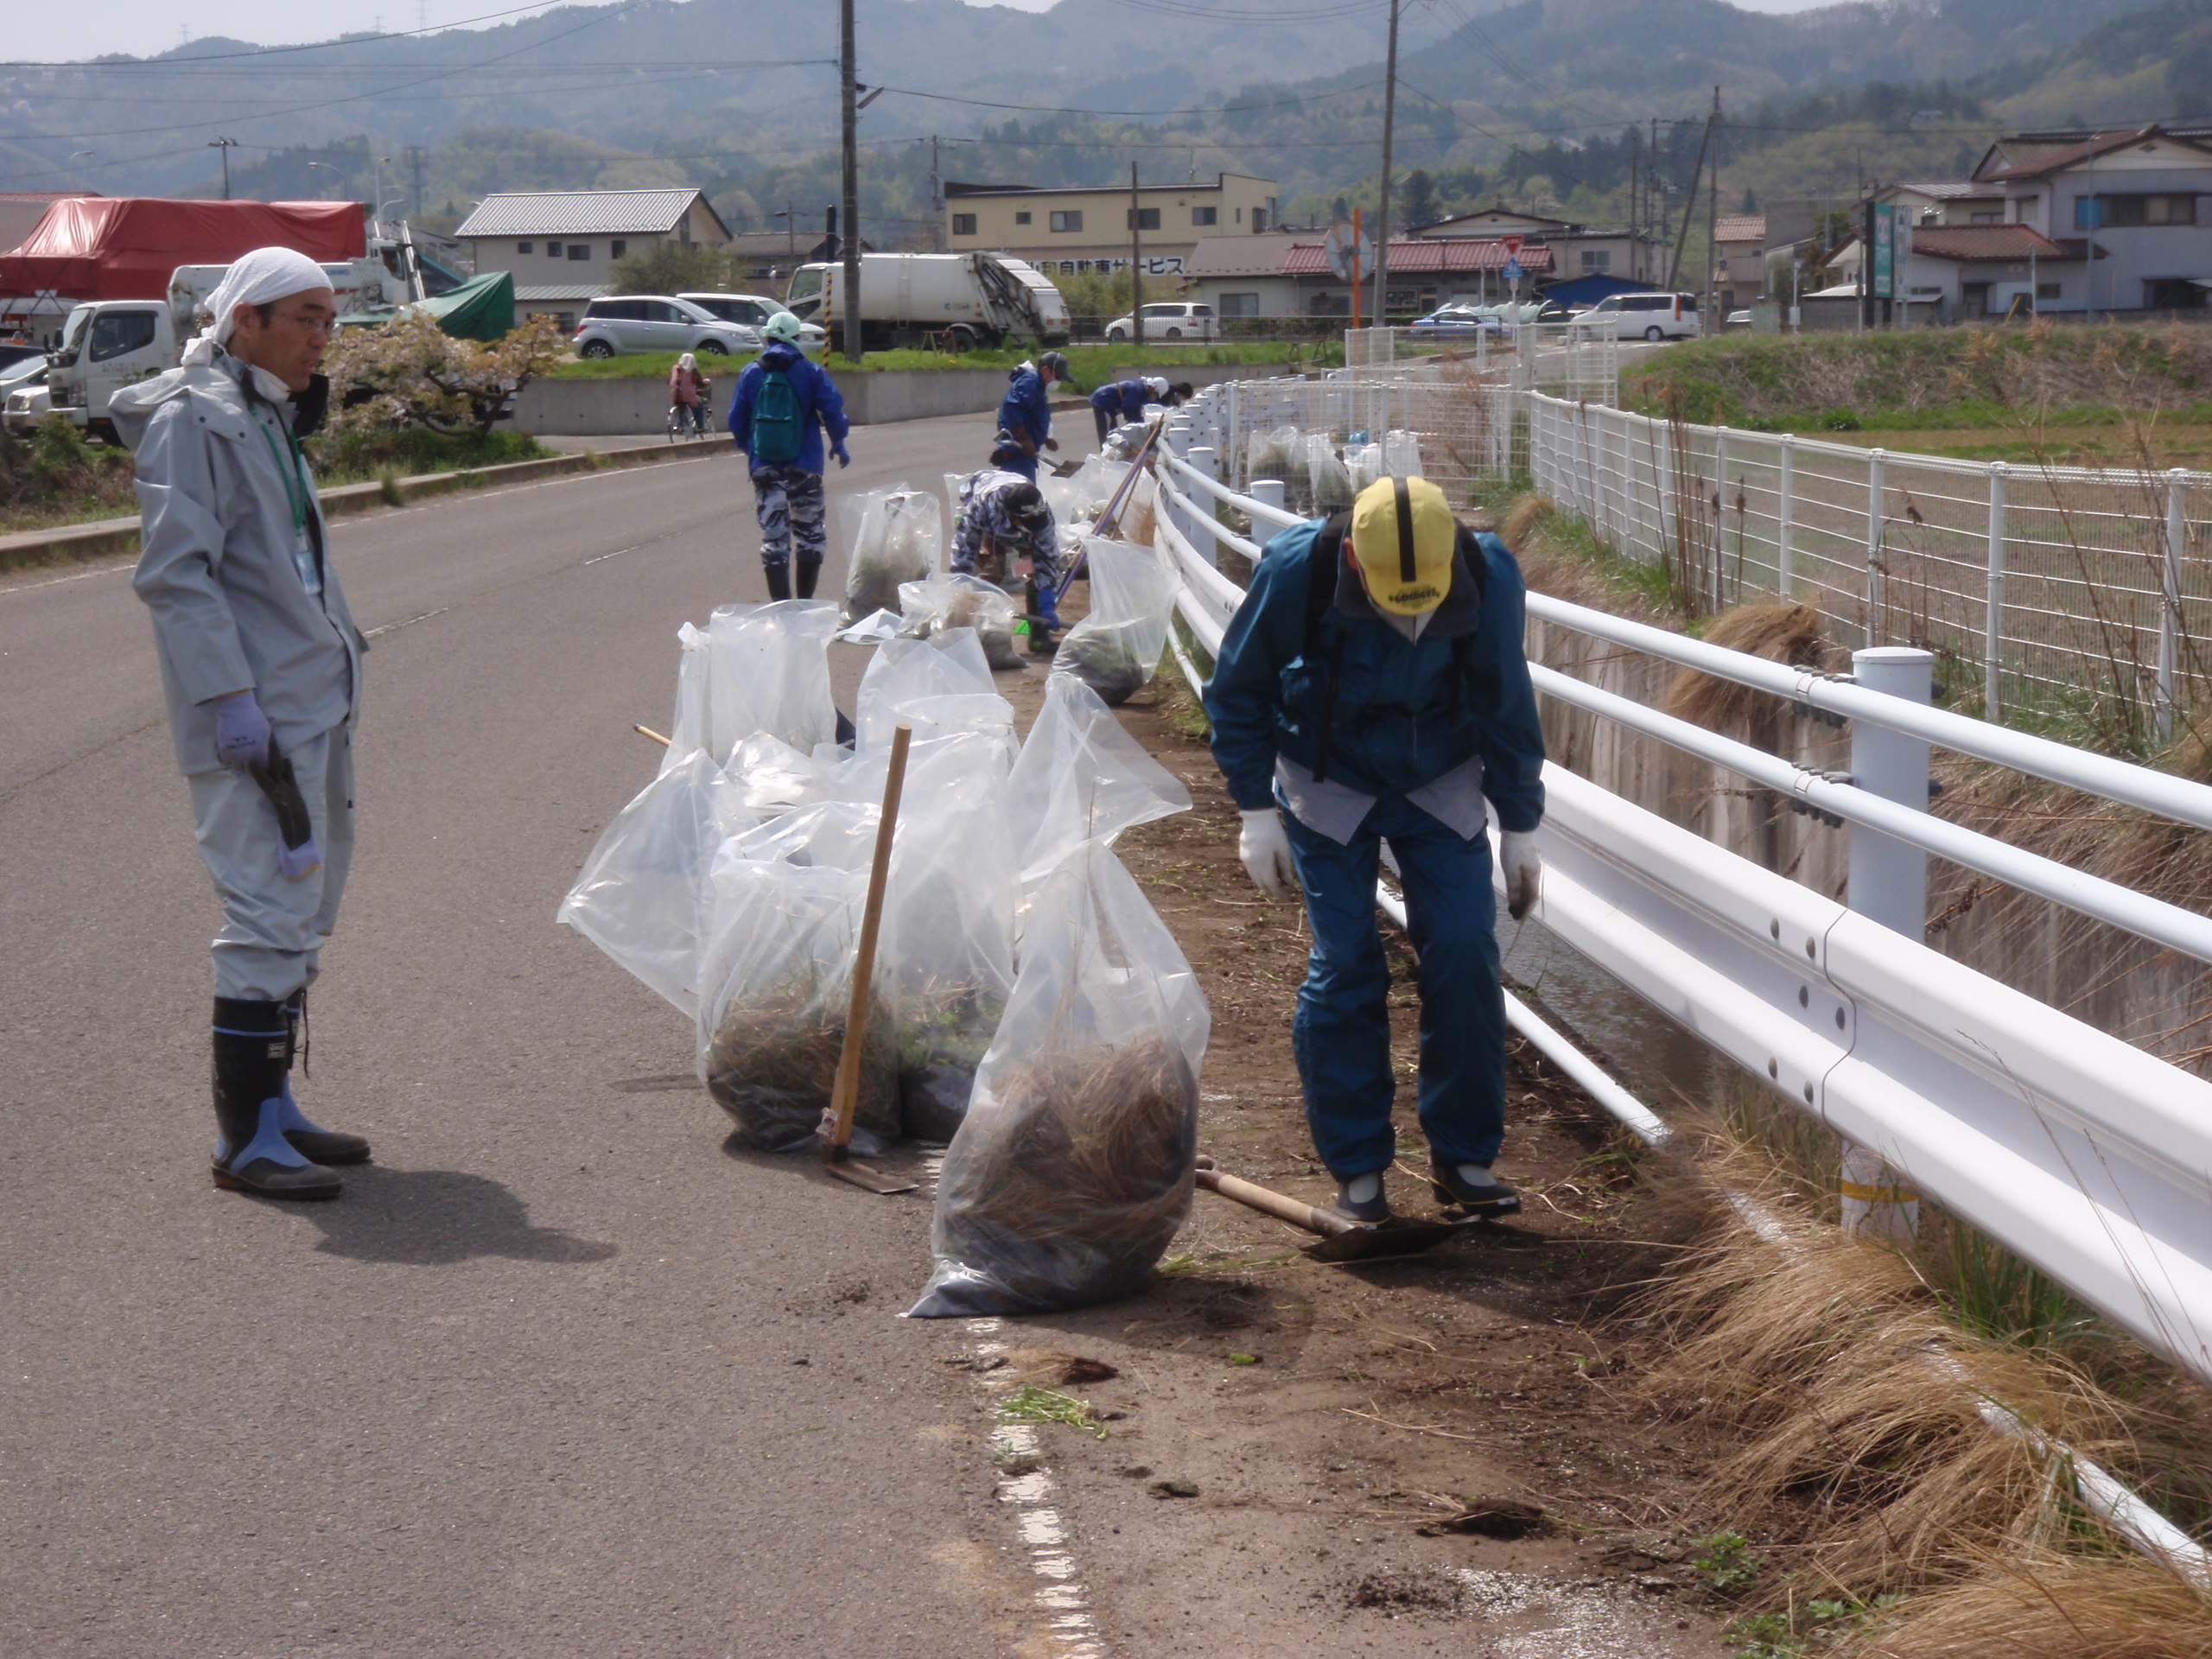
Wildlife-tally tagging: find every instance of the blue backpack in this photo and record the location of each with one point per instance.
(779, 423)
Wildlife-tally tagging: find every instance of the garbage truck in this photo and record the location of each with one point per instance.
(963, 299)
(108, 343)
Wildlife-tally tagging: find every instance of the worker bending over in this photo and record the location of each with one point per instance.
(1372, 687)
(1124, 400)
(1026, 416)
(260, 664)
(1004, 519)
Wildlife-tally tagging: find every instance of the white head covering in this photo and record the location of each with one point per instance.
(686, 361)
(265, 274)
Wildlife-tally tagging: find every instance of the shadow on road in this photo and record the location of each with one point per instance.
(435, 1217)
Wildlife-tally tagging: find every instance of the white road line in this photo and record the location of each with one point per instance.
(394, 628)
(1060, 1595)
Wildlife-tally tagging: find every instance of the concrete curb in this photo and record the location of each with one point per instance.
(72, 544)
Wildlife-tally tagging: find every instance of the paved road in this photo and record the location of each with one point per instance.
(556, 1376)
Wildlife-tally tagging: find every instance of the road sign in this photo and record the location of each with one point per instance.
(1350, 255)
(1881, 223)
(1512, 245)
(1512, 272)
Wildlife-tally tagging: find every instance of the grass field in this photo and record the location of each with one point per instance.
(1090, 364)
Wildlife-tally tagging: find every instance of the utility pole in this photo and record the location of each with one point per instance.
(416, 156)
(937, 200)
(1382, 215)
(1634, 276)
(224, 146)
(1136, 265)
(1689, 207)
(1712, 226)
(849, 117)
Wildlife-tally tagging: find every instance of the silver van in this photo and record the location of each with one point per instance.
(656, 323)
(1647, 316)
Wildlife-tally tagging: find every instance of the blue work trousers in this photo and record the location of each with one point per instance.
(1342, 1032)
(1013, 460)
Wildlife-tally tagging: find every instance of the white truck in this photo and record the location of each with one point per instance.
(108, 343)
(967, 299)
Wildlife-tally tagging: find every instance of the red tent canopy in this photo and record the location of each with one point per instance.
(125, 247)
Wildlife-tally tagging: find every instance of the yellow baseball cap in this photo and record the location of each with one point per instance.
(1403, 535)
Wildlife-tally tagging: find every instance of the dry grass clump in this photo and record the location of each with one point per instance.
(774, 1058)
(1858, 1405)
(1780, 633)
(1527, 512)
(2045, 1605)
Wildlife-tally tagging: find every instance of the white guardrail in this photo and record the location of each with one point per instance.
(2076, 1151)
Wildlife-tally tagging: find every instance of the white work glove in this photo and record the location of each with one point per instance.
(1524, 869)
(1263, 848)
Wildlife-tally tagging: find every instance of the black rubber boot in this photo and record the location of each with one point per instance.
(251, 1041)
(316, 1144)
(779, 581)
(1490, 1198)
(808, 576)
(1370, 1207)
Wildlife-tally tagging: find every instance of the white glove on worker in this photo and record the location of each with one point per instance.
(1263, 848)
(1523, 867)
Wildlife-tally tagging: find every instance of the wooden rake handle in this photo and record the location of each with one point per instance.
(845, 1093)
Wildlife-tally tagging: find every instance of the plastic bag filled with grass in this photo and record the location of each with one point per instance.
(1115, 650)
(776, 971)
(892, 536)
(1073, 1170)
(952, 600)
(947, 947)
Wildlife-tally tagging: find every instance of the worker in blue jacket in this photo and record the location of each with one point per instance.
(1372, 687)
(1026, 416)
(782, 405)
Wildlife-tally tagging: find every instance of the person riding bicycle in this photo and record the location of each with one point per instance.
(688, 391)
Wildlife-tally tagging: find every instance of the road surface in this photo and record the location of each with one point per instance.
(557, 1375)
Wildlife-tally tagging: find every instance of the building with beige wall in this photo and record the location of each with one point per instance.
(1071, 233)
(560, 245)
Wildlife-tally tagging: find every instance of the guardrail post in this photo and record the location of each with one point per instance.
(1231, 431)
(1179, 438)
(2170, 612)
(1785, 516)
(1889, 885)
(1993, 632)
(1268, 490)
(1874, 515)
(1201, 536)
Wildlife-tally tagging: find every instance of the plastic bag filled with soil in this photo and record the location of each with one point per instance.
(1073, 1170)
(949, 663)
(688, 732)
(1115, 649)
(776, 971)
(1081, 777)
(770, 672)
(1326, 474)
(947, 945)
(954, 599)
(891, 535)
(639, 897)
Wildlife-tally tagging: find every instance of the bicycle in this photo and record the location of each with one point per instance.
(680, 421)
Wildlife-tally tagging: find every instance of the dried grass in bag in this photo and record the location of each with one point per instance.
(1073, 1170)
(1116, 648)
(893, 536)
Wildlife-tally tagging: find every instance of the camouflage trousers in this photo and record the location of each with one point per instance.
(790, 502)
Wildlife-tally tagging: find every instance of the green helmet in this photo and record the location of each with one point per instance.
(784, 326)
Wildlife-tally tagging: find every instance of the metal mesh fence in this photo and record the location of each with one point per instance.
(2045, 585)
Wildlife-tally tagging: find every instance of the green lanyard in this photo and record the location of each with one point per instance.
(295, 483)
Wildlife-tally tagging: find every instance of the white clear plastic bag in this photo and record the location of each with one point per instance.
(1273, 452)
(947, 945)
(776, 972)
(638, 897)
(688, 732)
(1326, 474)
(1362, 465)
(946, 664)
(1116, 648)
(1401, 453)
(958, 601)
(772, 776)
(891, 535)
(770, 672)
(1073, 1169)
(1080, 778)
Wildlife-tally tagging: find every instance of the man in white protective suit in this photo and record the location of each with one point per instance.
(261, 663)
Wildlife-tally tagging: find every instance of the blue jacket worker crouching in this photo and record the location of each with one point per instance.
(1373, 687)
(778, 414)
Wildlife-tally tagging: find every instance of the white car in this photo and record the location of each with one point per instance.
(1647, 316)
(24, 401)
(752, 310)
(622, 324)
(1176, 319)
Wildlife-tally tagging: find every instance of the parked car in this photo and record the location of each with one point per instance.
(1647, 316)
(1173, 320)
(13, 352)
(1456, 322)
(1738, 322)
(658, 323)
(752, 310)
(24, 400)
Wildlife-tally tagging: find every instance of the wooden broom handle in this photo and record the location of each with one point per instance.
(845, 1093)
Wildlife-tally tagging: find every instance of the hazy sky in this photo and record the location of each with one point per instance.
(48, 32)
